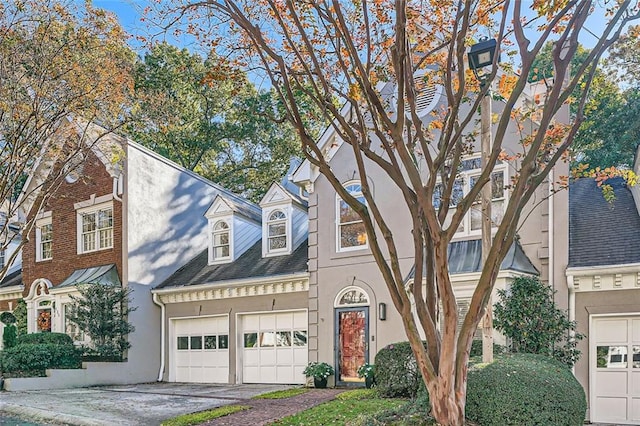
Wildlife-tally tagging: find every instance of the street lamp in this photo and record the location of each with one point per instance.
(480, 56)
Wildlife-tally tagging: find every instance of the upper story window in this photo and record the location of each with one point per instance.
(2, 259)
(95, 229)
(466, 179)
(277, 231)
(350, 227)
(221, 241)
(44, 239)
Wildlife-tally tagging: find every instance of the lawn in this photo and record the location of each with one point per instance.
(347, 407)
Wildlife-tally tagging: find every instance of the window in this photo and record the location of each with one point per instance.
(96, 230)
(467, 178)
(2, 259)
(277, 231)
(351, 231)
(44, 240)
(221, 241)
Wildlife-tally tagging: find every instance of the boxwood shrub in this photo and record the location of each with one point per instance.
(524, 389)
(33, 359)
(45, 338)
(397, 373)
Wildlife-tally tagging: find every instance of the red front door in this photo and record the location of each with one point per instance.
(352, 337)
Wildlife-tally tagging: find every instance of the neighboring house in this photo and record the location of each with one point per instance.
(237, 312)
(11, 284)
(351, 314)
(128, 217)
(603, 278)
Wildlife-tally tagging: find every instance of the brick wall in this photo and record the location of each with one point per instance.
(95, 180)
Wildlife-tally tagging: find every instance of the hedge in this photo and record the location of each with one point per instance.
(34, 359)
(397, 373)
(45, 338)
(524, 389)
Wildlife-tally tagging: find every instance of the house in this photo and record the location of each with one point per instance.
(237, 311)
(603, 279)
(351, 314)
(126, 216)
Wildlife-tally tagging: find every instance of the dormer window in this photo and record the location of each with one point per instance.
(277, 231)
(221, 241)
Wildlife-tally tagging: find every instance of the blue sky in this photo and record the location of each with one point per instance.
(129, 13)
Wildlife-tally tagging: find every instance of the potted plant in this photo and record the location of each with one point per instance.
(320, 371)
(367, 372)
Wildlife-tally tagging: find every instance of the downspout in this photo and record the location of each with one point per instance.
(551, 231)
(572, 310)
(157, 301)
(117, 187)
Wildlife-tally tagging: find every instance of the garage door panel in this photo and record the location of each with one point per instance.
(615, 370)
(277, 354)
(197, 356)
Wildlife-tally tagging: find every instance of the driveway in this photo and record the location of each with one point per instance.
(143, 404)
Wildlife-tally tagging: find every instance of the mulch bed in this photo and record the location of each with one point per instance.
(265, 411)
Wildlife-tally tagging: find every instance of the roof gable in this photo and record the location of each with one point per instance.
(276, 195)
(219, 207)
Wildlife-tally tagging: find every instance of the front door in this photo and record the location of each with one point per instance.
(352, 343)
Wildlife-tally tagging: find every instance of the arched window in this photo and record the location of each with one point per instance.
(277, 231)
(351, 231)
(351, 296)
(221, 241)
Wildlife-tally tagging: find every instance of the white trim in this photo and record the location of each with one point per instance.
(342, 292)
(604, 269)
(235, 283)
(592, 354)
(287, 210)
(44, 221)
(13, 292)
(92, 201)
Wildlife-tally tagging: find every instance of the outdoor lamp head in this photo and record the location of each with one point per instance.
(482, 53)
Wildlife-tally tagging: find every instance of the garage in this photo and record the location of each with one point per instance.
(615, 369)
(201, 350)
(274, 347)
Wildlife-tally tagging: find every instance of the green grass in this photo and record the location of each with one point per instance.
(281, 394)
(203, 416)
(341, 411)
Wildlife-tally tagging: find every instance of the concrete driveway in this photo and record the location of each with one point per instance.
(143, 404)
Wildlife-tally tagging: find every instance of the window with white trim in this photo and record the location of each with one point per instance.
(221, 241)
(277, 231)
(467, 177)
(95, 229)
(44, 239)
(2, 260)
(351, 233)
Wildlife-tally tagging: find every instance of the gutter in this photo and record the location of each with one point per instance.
(157, 301)
(572, 310)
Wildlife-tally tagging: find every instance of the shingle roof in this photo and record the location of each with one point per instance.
(12, 279)
(250, 264)
(602, 233)
(466, 257)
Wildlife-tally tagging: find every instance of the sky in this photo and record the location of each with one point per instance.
(129, 13)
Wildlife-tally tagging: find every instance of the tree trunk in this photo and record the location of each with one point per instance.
(447, 407)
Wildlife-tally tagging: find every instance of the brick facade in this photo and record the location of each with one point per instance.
(96, 181)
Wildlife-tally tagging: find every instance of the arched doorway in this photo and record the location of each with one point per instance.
(351, 333)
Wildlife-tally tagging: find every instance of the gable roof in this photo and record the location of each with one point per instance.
(12, 279)
(602, 233)
(250, 264)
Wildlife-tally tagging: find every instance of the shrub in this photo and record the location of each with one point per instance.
(528, 315)
(7, 318)
(524, 389)
(36, 358)
(397, 373)
(45, 338)
(20, 313)
(476, 349)
(9, 336)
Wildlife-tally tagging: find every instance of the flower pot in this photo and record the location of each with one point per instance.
(369, 382)
(320, 382)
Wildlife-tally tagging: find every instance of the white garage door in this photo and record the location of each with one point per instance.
(274, 347)
(615, 370)
(201, 350)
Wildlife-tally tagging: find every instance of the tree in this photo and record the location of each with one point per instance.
(10, 334)
(101, 312)
(527, 315)
(348, 51)
(205, 115)
(20, 313)
(58, 62)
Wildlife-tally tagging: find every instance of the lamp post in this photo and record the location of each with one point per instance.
(480, 56)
